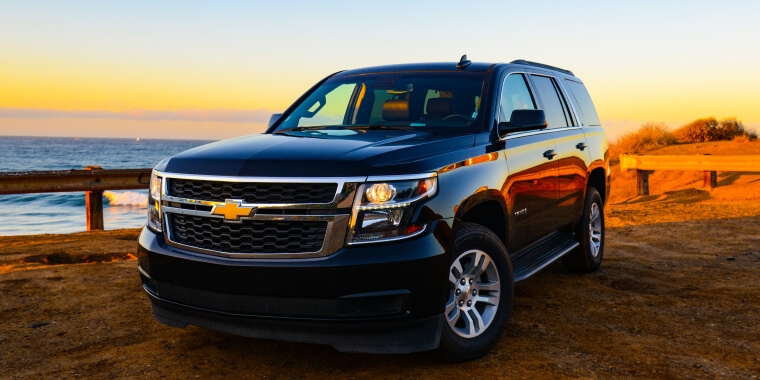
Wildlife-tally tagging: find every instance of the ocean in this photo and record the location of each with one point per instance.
(56, 213)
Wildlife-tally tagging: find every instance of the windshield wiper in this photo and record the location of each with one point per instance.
(314, 128)
(381, 127)
(348, 127)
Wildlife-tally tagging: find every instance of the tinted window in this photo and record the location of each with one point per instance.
(583, 99)
(553, 103)
(332, 109)
(515, 95)
(445, 101)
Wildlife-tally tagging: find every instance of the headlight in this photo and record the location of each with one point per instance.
(154, 203)
(383, 210)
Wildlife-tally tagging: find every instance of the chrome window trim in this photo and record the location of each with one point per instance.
(532, 133)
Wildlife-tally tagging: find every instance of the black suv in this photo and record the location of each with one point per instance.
(389, 209)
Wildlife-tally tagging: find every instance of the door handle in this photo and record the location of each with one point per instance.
(581, 146)
(550, 154)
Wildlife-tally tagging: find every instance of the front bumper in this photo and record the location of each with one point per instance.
(368, 298)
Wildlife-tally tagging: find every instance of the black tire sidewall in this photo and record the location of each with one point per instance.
(591, 263)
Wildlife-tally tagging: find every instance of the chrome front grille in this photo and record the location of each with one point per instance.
(256, 192)
(263, 236)
(290, 218)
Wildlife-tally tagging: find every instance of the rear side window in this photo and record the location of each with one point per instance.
(583, 99)
(557, 113)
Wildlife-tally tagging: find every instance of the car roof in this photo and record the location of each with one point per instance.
(474, 67)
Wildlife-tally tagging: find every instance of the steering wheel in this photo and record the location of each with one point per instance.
(458, 115)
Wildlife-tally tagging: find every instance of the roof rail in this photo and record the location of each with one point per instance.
(524, 62)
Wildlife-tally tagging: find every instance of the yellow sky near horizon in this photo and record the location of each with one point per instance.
(217, 70)
(68, 86)
(29, 84)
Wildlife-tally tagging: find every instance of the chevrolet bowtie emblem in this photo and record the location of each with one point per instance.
(232, 210)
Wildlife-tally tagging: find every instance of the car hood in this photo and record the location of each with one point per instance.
(321, 153)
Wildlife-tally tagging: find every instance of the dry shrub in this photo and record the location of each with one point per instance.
(741, 139)
(648, 137)
(709, 129)
(746, 137)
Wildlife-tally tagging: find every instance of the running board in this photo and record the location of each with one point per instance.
(529, 260)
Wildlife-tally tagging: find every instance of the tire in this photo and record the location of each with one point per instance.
(590, 234)
(480, 296)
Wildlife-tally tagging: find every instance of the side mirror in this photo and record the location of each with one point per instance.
(524, 120)
(273, 119)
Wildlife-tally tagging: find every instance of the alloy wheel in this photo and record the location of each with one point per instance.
(595, 229)
(474, 293)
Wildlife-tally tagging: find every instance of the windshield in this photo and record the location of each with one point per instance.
(447, 102)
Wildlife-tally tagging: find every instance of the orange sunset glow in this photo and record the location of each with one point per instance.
(213, 71)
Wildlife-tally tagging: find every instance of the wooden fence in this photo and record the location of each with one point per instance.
(93, 181)
(707, 164)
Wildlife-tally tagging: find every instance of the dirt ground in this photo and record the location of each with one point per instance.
(678, 296)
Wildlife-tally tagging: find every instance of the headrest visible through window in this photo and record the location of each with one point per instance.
(439, 107)
(396, 110)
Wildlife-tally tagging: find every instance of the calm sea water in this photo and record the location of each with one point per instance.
(54, 213)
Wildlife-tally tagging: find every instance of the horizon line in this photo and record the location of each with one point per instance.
(259, 115)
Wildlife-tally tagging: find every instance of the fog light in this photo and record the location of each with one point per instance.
(382, 218)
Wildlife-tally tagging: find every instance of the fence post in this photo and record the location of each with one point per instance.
(642, 181)
(709, 180)
(94, 205)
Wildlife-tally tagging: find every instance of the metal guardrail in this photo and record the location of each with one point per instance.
(93, 181)
(709, 165)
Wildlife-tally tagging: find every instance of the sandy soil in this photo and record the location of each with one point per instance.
(678, 296)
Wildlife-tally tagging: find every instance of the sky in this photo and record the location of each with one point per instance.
(218, 69)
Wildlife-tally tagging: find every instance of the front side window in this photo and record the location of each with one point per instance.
(446, 102)
(515, 95)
